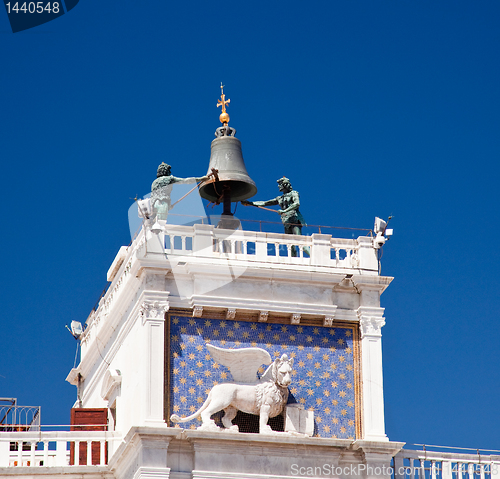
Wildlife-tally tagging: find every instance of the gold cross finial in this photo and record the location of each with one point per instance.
(224, 117)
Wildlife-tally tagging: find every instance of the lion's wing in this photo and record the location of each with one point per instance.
(243, 363)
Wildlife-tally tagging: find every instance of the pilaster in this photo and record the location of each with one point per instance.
(371, 321)
(152, 311)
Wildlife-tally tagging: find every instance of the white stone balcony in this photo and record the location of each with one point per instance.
(52, 448)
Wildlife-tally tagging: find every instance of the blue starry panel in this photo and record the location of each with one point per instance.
(323, 369)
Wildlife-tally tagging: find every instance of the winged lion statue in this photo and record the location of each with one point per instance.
(265, 397)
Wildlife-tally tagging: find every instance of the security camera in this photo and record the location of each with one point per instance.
(379, 240)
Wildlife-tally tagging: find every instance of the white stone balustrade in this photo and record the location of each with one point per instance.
(409, 464)
(52, 448)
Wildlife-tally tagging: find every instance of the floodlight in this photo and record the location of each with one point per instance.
(380, 225)
(144, 208)
(76, 328)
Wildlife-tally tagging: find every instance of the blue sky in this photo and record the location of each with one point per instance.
(371, 108)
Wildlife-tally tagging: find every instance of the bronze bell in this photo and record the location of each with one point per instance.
(233, 184)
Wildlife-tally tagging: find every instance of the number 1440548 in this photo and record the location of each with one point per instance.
(32, 7)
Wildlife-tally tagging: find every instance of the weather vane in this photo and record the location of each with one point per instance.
(224, 117)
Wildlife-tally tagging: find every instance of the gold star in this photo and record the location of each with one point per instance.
(335, 402)
(316, 331)
(192, 426)
(192, 408)
(326, 428)
(261, 370)
(348, 350)
(284, 329)
(199, 364)
(342, 429)
(350, 422)
(349, 367)
(310, 392)
(208, 357)
(175, 338)
(309, 339)
(223, 342)
(246, 334)
(191, 322)
(176, 408)
(208, 323)
(309, 374)
(325, 340)
(207, 373)
(183, 330)
(183, 346)
(333, 366)
(191, 373)
(176, 371)
(207, 391)
(182, 380)
(276, 337)
(300, 329)
(236, 325)
(199, 347)
(261, 336)
(317, 365)
(318, 419)
(342, 394)
(176, 389)
(222, 324)
(269, 345)
(334, 384)
(301, 347)
(335, 420)
(316, 348)
(215, 383)
(348, 333)
(191, 356)
(215, 332)
(309, 356)
(199, 330)
(326, 375)
(333, 349)
(199, 399)
(350, 403)
(268, 328)
(284, 346)
(293, 390)
(215, 366)
(326, 392)
(349, 385)
(199, 382)
(277, 354)
(302, 400)
(327, 410)
(341, 359)
(332, 332)
(343, 412)
(175, 355)
(342, 376)
(340, 341)
(230, 333)
(302, 382)
(253, 326)
(191, 390)
(175, 320)
(293, 355)
(237, 343)
(318, 384)
(223, 375)
(253, 344)
(292, 338)
(183, 399)
(319, 401)
(183, 364)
